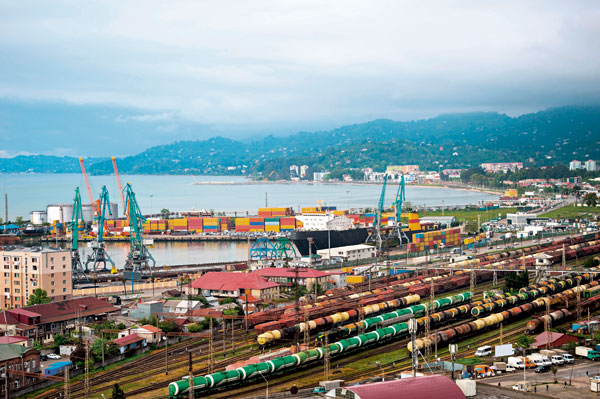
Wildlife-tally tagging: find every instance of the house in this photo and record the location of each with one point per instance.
(234, 285)
(130, 343)
(41, 322)
(286, 276)
(151, 334)
(18, 358)
(425, 387)
(145, 310)
(556, 340)
(180, 322)
(17, 340)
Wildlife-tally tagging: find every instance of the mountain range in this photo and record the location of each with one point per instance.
(555, 135)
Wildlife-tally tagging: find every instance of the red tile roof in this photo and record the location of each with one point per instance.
(128, 339)
(542, 339)
(426, 387)
(179, 321)
(151, 328)
(11, 339)
(289, 272)
(225, 281)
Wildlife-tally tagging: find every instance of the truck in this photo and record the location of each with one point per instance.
(586, 352)
(516, 362)
(548, 352)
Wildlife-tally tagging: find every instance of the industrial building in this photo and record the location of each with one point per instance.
(27, 269)
(18, 358)
(443, 221)
(63, 213)
(350, 252)
(326, 221)
(557, 340)
(287, 276)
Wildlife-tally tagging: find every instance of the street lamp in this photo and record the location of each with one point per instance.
(267, 392)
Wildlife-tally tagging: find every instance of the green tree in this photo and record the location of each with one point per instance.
(523, 341)
(590, 262)
(165, 213)
(38, 297)
(110, 349)
(19, 220)
(60, 339)
(590, 199)
(554, 370)
(117, 392)
(168, 326)
(195, 328)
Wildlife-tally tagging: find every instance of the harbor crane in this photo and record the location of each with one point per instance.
(400, 197)
(99, 257)
(139, 258)
(76, 265)
(375, 235)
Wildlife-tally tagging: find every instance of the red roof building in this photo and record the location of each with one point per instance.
(234, 285)
(426, 387)
(130, 342)
(287, 275)
(41, 322)
(556, 340)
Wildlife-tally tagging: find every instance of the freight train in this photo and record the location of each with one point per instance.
(241, 375)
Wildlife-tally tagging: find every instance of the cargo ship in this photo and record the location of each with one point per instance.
(322, 238)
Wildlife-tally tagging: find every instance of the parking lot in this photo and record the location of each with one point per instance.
(580, 383)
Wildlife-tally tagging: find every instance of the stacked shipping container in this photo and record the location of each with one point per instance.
(431, 239)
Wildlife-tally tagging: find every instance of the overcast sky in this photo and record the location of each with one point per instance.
(103, 78)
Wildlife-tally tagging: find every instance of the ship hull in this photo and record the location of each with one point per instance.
(322, 238)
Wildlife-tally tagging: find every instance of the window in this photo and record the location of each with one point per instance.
(34, 260)
(65, 290)
(7, 290)
(16, 275)
(51, 282)
(16, 267)
(6, 275)
(52, 292)
(64, 266)
(17, 291)
(7, 282)
(64, 281)
(51, 275)
(64, 274)
(51, 259)
(64, 258)
(17, 282)
(51, 267)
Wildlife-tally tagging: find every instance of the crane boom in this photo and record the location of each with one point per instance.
(77, 214)
(381, 204)
(99, 257)
(114, 162)
(139, 257)
(87, 182)
(400, 197)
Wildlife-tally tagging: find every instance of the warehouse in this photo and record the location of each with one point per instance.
(556, 340)
(234, 285)
(350, 252)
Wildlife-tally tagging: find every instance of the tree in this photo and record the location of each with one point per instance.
(38, 297)
(554, 370)
(19, 220)
(165, 213)
(117, 392)
(60, 339)
(590, 199)
(195, 328)
(168, 326)
(590, 262)
(523, 341)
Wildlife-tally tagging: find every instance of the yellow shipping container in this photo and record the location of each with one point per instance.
(272, 228)
(469, 240)
(354, 279)
(242, 221)
(257, 228)
(347, 269)
(178, 222)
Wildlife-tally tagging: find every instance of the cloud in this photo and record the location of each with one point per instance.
(164, 116)
(236, 63)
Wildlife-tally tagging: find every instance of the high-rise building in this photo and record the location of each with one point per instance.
(303, 170)
(590, 165)
(574, 165)
(26, 269)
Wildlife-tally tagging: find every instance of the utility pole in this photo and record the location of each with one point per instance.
(211, 359)
(501, 335)
(453, 348)
(87, 371)
(67, 393)
(266, 199)
(412, 329)
(191, 379)
(326, 357)
(495, 279)
(578, 299)
(232, 336)
(166, 354)
(102, 349)
(547, 325)
(306, 332)
(472, 284)
(310, 240)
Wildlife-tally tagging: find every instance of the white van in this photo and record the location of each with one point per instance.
(516, 362)
(483, 351)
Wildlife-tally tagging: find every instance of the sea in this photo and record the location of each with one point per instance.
(32, 192)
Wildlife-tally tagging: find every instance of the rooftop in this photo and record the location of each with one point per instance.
(11, 339)
(128, 339)
(224, 281)
(10, 351)
(542, 339)
(289, 272)
(430, 386)
(64, 310)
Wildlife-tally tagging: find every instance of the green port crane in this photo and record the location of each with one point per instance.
(139, 258)
(99, 257)
(400, 197)
(375, 235)
(76, 265)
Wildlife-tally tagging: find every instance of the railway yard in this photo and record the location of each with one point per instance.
(361, 332)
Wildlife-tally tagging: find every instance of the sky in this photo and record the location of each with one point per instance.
(101, 78)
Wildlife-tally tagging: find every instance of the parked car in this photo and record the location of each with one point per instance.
(542, 369)
(54, 356)
(510, 369)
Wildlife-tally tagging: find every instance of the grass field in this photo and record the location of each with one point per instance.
(572, 212)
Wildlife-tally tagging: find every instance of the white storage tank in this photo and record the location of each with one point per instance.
(57, 213)
(38, 218)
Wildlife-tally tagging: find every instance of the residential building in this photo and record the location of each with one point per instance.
(574, 165)
(286, 276)
(234, 285)
(318, 176)
(350, 252)
(590, 165)
(130, 343)
(18, 358)
(151, 334)
(294, 171)
(501, 166)
(401, 169)
(303, 171)
(26, 269)
(41, 322)
(15, 339)
(145, 310)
